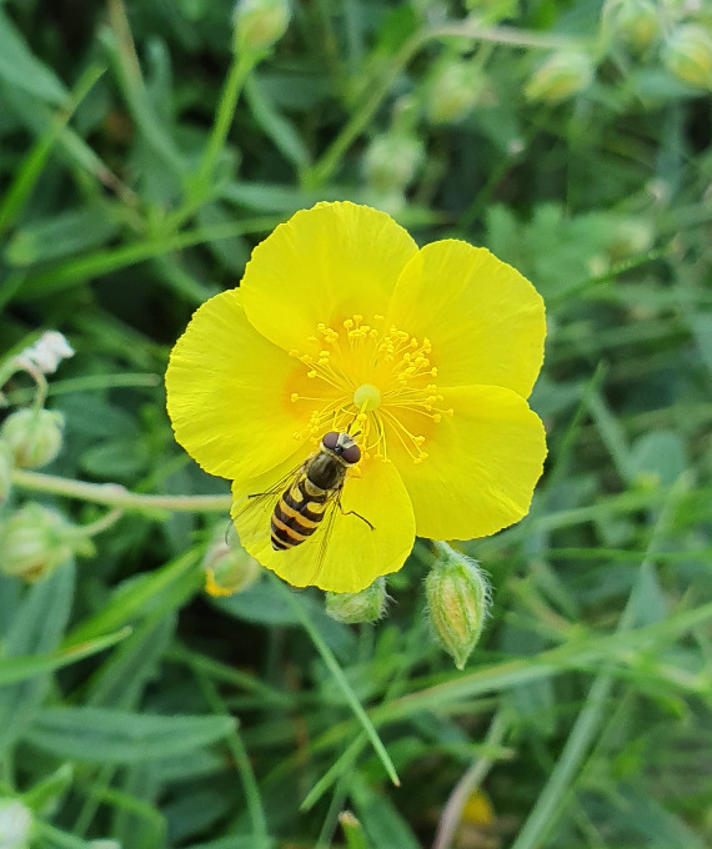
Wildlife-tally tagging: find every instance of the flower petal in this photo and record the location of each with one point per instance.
(228, 392)
(485, 320)
(323, 265)
(354, 555)
(483, 463)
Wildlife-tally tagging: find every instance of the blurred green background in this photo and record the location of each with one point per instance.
(145, 147)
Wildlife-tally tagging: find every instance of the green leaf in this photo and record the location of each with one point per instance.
(98, 735)
(275, 125)
(122, 678)
(14, 669)
(21, 69)
(657, 458)
(260, 604)
(37, 628)
(67, 233)
(381, 821)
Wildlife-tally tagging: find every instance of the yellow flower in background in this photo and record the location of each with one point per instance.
(342, 324)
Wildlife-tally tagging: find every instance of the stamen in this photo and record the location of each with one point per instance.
(367, 368)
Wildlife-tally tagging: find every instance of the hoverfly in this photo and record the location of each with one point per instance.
(308, 497)
(316, 485)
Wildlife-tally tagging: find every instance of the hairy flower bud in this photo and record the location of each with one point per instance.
(352, 608)
(635, 22)
(458, 598)
(229, 569)
(259, 24)
(560, 76)
(688, 55)
(15, 824)
(392, 160)
(7, 462)
(34, 541)
(35, 436)
(453, 91)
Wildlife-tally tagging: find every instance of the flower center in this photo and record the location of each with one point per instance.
(374, 378)
(367, 397)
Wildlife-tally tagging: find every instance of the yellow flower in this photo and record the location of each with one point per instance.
(342, 322)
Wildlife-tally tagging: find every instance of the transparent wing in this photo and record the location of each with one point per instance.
(324, 533)
(254, 500)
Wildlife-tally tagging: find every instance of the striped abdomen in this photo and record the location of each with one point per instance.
(297, 514)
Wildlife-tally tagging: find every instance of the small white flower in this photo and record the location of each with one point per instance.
(46, 354)
(15, 824)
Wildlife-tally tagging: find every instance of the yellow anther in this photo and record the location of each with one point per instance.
(294, 397)
(311, 373)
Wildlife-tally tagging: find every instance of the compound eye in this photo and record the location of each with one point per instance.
(352, 454)
(330, 440)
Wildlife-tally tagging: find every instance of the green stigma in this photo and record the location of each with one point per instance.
(367, 397)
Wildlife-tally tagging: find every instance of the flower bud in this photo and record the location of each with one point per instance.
(352, 608)
(15, 824)
(34, 541)
(7, 462)
(47, 353)
(688, 55)
(458, 598)
(259, 24)
(560, 76)
(392, 160)
(229, 569)
(35, 436)
(453, 91)
(635, 22)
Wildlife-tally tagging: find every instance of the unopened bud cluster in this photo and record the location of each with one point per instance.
(458, 601)
(7, 462)
(352, 608)
(453, 91)
(392, 160)
(688, 55)
(35, 540)
(560, 77)
(635, 23)
(259, 24)
(34, 436)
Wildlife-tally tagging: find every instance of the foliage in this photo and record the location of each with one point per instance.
(135, 708)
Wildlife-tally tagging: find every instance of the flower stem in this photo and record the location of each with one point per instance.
(102, 524)
(471, 779)
(333, 667)
(115, 495)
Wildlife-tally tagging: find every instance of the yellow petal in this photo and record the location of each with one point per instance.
(323, 265)
(485, 321)
(228, 392)
(353, 554)
(483, 463)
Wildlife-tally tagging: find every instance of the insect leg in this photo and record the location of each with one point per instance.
(353, 513)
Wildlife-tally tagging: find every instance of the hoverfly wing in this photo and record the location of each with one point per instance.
(255, 499)
(325, 534)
